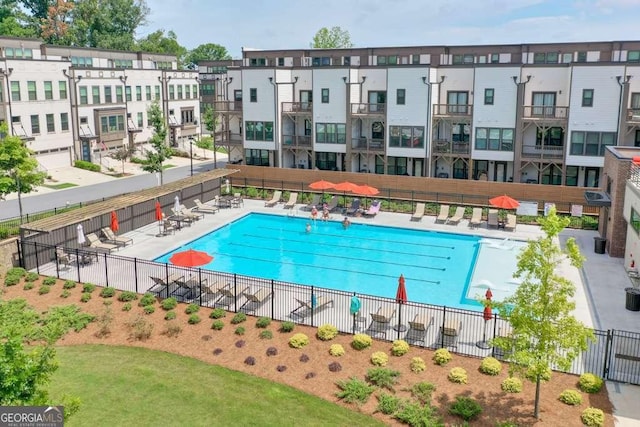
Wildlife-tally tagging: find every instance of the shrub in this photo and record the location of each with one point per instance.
(336, 350)
(140, 328)
(31, 276)
(217, 325)
(67, 317)
(387, 403)
(592, 417)
(192, 308)
(399, 348)
(65, 294)
(266, 335)
(12, 279)
(85, 297)
(194, 319)
(511, 385)
(570, 397)
(379, 358)
(239, 330)
(361, 341)
(69, 284)
(170, 315)
(240, 343)
(590, 383)
(327, 332)
(49, 281)
(88, 288)
(506, 424)
(238, 318)
(465, 407)
(422, 392)
(544, 376)
(272, 351)
(27, 286)
(126, 306)
(172, 329)
(107, 292)
(335, 367)
(17, 271)
(304, 358)
(287, 326)
(250, 361)
(490, 366)
(458, 376)
(127, 296)
(415, 414)
(44, 289)
(217, 313)
(83, 164)
(147, 299)
(263, 322)
(169, 303)
(354, 390)
(298, 340)
(382, 377)
(281, 368)
(442, 356)
(104, 322)
(149, 309)
(418, 365)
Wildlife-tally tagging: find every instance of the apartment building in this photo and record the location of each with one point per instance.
(533, 113)
(70, 103)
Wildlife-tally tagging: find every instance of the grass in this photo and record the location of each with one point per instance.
(60, 186)
(136, 386)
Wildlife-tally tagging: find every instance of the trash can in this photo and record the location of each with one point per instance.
(599, 245)
(633, 299)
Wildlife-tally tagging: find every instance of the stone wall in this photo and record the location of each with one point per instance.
(8, 255)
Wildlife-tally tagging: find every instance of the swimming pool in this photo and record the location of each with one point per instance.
(364, 258)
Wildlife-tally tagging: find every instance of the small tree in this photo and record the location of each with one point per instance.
(161, 150)
(205, 143)
(18, 168)
(210, 120)
(123, 153)
(545, 333)
(333, 38)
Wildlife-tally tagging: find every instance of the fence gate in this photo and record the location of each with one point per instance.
(624, 357)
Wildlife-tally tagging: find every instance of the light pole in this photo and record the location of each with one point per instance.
(191, 153)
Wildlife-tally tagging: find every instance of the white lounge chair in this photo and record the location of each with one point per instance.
(111, 237)
(201, 207)
(305, 308)
(255, 299)
(476, 218)
(510, 225)
(492, 218)
(419, 213)
(443, 215)
(457, 216)
(99, 246)
(274, 200)
(293, 198)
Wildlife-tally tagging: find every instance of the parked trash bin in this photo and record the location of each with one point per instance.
(599, 245)
(633, 299)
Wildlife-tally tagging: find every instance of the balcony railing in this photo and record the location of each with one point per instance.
(367, 144)
(297, 107)
(455, 110)
(443, 146)
(227, 137)
(296, 141)
(227, 106)
(545, 112)
(542, 151)
(368, 109)
(633, 115)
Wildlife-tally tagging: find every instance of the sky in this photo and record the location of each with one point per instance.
(291, 24)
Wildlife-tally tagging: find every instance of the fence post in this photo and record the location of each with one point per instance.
(495, 328)
(199, 287)
(37, 259)
(273, 297)
(313, 299)
(607, 354)
(106, 270)
(78, 263)
(135, 272)
(444, 321)
(235, 292)
(55, 256)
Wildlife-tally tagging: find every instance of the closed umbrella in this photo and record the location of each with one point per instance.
(354, 309)
(159, 216)
(176, 204)
(114, 222)
(401, 298)
(487, 315)
(81, 238)
(190, 258)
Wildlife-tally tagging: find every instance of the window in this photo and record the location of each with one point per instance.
(95, 94)
(406, 136)
(119, 94)
(582, 57)
(460, 59)
(140, 120)
(545, 58)
(633, 56)
(327, 161)
(253, 94)
(51, 127)
(237, 95)
(324, 95)
(138, 93)
(395, 165)
(16, 52)
(179, 91)
(331, 133)
(35, 124)
(488, 96)
(172, 92)
(194, 90)
(111, 124)
(550, 137)
(495, 139)
(257, 62)
(635, 221)
(15, 91)
(591, 143)
(84, 98)
(147, 90)
(108, 99)
(207, 89)
(187, 92)
(280, 62)
(125, 63)
(62, 88)
(415, 59)
(587, 97)
(64, 121)
(259, 131)
(81, 61)
(320, 61)
(495, 58)
(127, 93)
(84, 120)
(551, 175)
(256, 157)
(31, 89)
(571, 176)
(457, 102)
(187, 116)
(346, 60)
(48, 90)
(400, 96)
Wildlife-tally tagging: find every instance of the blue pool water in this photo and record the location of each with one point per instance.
(366, 259)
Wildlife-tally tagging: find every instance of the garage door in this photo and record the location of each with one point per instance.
(57, 159)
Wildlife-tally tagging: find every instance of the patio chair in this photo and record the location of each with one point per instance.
(237, 201)
(201, 207)
(419, 213)
(161, 284)
(333, 204)
(293, 198)
(492, 218)
(179, 216)
(504, 331)
(63, 258)
(306, 308)
(443, 215)
(99, 246)
(210, 291)
(418, 329)
(189, 213)
(274, 200)
(111, 237)
(187, 289)
(167, 227)
(256, 299)
(373, 209)
(355, 207)
(449, 333)
(510, 225)
(229, 294)
(381, 321)
(457, 216)
(314, 202)
(476, 218)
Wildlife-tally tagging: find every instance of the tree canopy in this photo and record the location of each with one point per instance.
(206, 52)
(333, 38)
(158, 42)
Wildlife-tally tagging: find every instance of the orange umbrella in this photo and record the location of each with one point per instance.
(158, 211)
(486, 315)
(366, 190)
(114, 222)
(401, 294)
(321, 185)
(190, 258)
(504, 202)
(345, 186)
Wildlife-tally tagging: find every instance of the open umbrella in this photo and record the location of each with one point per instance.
(486, 315)
(504, 202)
(81, 238)
(354, 308)
(345, 186)
(114, 222)
(190, 258)
(366, 190)
(321, 185)
(401, 298)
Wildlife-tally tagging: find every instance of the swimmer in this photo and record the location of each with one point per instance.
(308, 228)
(314, 213)
(346, 223)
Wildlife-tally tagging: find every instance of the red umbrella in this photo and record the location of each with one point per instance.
(114, 222)
(487, 314)
(321, 185)
(345, 186)
(158, 211)
(366, 190)
(190, 258)
(401, 294)
(504, 202)
(488, 295)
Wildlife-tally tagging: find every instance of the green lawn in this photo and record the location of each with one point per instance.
(60, 186)
(132, 386)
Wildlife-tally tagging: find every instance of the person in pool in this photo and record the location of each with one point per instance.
(307, 229)
(346, 223)
(314, 213)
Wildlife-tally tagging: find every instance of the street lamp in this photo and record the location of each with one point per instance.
(191, 153)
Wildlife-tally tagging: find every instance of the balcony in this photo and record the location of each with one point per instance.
(453, 110)
(296, 141)
(443, 146)
(633, 116)
(226, 137)
(373, 110)
(227, 106)
(545, 113)
(542, 151)
(297, 107)
(132, 127)
(363, 144)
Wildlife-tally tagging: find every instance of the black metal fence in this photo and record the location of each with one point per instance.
(613, 354)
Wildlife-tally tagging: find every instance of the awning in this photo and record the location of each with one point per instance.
(597, 198)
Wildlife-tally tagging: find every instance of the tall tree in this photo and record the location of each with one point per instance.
(14, 21)
(545, 333)
(55, 28)
(157, 42)
(206, 52)
(210, 120)
(333, 38)
(18, 168)
(161, 150)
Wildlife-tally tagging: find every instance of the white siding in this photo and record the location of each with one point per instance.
(304, 83)
(547, 79)
(457, 80)
(415, 110)
(264, 109)
(334, 110)
(593, 56)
